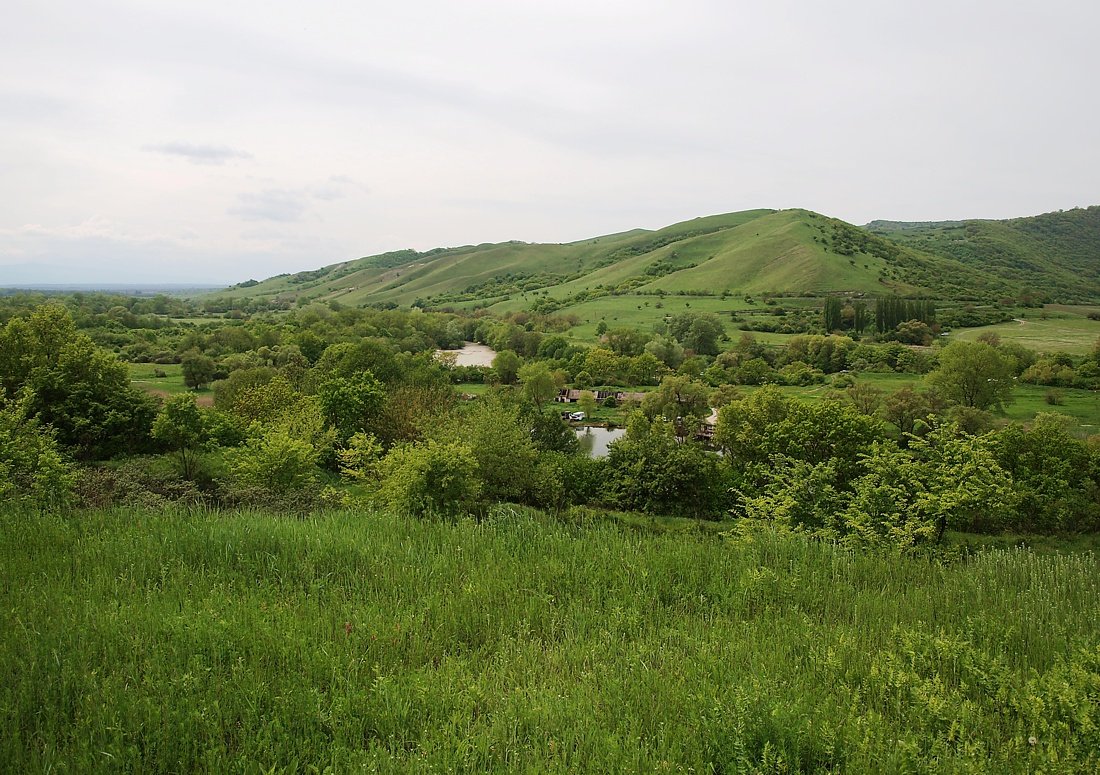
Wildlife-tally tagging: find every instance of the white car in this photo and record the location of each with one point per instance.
(576, 416)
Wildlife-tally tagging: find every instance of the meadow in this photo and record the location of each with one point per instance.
(1064, 332)
(144, 376)
(247, 642)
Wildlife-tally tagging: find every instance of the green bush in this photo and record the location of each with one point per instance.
(430, 478)
(275, 461)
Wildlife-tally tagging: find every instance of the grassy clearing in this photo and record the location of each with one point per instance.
(246, 642)
(143, 376)
(1064, 332)
(642, 312)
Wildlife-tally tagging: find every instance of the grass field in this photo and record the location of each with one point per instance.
(184, 642)
(143, 376)
(1061, 332)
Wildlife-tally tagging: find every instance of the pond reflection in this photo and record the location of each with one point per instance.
(595, 440)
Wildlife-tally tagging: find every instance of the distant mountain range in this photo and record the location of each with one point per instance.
(1054, 257)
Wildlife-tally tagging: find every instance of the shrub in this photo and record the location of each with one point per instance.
(430, 478)
(276, 461)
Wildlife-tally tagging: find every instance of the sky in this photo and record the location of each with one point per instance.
(220, 141)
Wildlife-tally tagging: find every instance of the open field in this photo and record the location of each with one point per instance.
(143, 376)
(245, 642)
(643, 312)
(1074, 334)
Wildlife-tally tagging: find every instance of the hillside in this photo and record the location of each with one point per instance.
(792, 252)
(1054, 256)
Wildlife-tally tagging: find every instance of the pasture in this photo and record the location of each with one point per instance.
(1060, 331)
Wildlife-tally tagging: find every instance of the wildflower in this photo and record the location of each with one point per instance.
(1033, 740)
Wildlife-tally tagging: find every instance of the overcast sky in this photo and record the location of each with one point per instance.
(218, 141)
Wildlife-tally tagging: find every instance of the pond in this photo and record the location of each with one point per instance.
(595, 440)
(472, 354)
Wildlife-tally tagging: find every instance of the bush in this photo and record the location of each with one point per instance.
(141, 482)
(275, 461)
(430, 478)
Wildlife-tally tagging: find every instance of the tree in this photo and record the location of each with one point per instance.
(626, 342)
(587, 403)
(724, 394)
(502, 446)
(550, 433)
(644, 369)
(667, 350)
(180, 427)
(345, 359)
(413, 410)
(904, 408)
(359, 458)
(697, 331)
(352, 404)
(79, 389)
(649, 470)
(1053, 475)
(832, 314)
(679, 398)
(860, 317)
(947, 480)
(973, 374)
(32, 471)
(912, 332)
(766, 425)
(311, 345)
(198, 369)
(603, 365)
(506, 364)
(539, 383)
(864, 397)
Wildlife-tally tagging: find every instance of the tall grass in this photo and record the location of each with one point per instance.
(248, 642)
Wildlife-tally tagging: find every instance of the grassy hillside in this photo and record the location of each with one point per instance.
(789, 252)
(1055, 255)
(180, 642)
(757, 251)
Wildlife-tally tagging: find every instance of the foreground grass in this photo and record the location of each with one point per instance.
(249, 642)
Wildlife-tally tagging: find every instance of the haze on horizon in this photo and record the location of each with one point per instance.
(209, 142)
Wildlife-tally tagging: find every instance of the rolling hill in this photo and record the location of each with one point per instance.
(790, 252)
(1054, 255)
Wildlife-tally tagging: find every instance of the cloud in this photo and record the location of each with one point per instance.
(286, 205)
(200, 154)
(272, 204)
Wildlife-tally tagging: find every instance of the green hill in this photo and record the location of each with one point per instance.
(1054, 257)
(791, 252)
